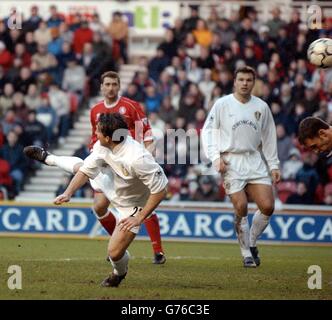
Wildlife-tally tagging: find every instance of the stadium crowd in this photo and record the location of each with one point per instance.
(50, 68)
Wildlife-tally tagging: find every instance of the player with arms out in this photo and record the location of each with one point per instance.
(316, 135)
(140, 130)
(237, 130)
(139, 185)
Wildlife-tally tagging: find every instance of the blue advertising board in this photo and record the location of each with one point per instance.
(178, 223)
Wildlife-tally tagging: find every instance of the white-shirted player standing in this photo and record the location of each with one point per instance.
(237, 131)
(136, 184)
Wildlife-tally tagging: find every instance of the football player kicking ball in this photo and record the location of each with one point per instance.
(316, 135)
(139, 129)
(139, 185)
(239, 127)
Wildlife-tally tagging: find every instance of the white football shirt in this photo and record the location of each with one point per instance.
(236, 127)
(135, 172)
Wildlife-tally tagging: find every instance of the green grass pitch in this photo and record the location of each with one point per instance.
(73, 269)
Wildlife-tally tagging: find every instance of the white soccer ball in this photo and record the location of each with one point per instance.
(320, 53)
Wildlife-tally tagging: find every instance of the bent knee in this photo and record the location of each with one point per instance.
(267, 209)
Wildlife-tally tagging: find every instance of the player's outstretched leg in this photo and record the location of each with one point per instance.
(153, 229)
(68, 164)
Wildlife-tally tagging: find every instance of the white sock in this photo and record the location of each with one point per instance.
(242, 232)
(63, 162)
(259, 223)
(120, 267)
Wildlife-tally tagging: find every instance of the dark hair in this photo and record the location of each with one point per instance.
(245, 69)
(113, 125)
(309, 128)
(110, 74)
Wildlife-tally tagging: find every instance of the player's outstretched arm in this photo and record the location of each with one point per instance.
(79, 180)
(151, 204)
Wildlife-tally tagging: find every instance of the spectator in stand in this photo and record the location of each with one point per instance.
(42, 35)
(43, 59)
(152, 100)
(59, 101)
(48, 117)
(157, 64)
(8, 121)
(32, 99)
(301, 196)
(30, 43)
(23, 54)
(202, 34)
(13, 153)
(82, 36)
(19, 107)
(74, 78)
(6, 180)
(34, 131)
(6, 99)
(292, 165)
(167, 112)
(65, 34)
(24, 80)
(169, 45)
(55, 17)
(275, 23)
(207, 190)
(190, 23)
(284, 143)
(133, 93)
(55, 45)
(32, 23)
(6, 58)
(118, 30)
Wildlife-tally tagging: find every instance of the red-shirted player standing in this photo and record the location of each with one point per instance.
(139, 129)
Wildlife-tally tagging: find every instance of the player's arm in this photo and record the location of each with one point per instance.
(151, 204)
(153, 176)
(269, 145)
(210, 129)
(79, 180)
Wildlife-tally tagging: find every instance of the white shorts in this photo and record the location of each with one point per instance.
(121, 213)
(242, 169)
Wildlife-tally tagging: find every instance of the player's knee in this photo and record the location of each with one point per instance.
(115, 254)
(267, 209)
(100, 209)
(241, 208)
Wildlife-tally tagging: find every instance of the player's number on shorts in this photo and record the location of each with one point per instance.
(135, 211)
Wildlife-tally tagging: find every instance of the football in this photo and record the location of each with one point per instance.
(320, 53)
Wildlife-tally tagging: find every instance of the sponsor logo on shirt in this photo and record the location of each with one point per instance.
(122, 110)
(244, 122)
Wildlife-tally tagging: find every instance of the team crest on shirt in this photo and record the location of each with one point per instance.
(227, 185)
(124, 171)
(258, 115)
(122, 110)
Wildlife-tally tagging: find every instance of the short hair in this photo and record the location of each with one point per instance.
(113, 125)
(110, 74)
(309, 128)
(245, 69)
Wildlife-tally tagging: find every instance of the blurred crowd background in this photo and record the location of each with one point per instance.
(50, 69)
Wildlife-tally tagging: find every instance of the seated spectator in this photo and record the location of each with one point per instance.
(55, 45)
(292, 165)
(133, 93)
(82, 35)
(202, 34)
(74, 78)
(23, 54)
(284, 143)
(157, 64)
(167, 112)
(42, 36)
(9, 120)
(43, 59)
(301, 196)
(24, 80)
(34, 131)
(6, 58)
(32, 99)
(48, 117)
(207, 190)
(19, 107)
(5, 178)
(13, 153)
(6, 99)
(152, 100)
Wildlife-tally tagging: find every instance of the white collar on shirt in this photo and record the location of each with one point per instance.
(112, 105)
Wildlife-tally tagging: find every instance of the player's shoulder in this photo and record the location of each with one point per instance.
(223, 101)
(98, 105)
(259, 102)
(128, 102)
(135, 151)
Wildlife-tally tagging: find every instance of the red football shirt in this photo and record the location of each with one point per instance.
(132, 112)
